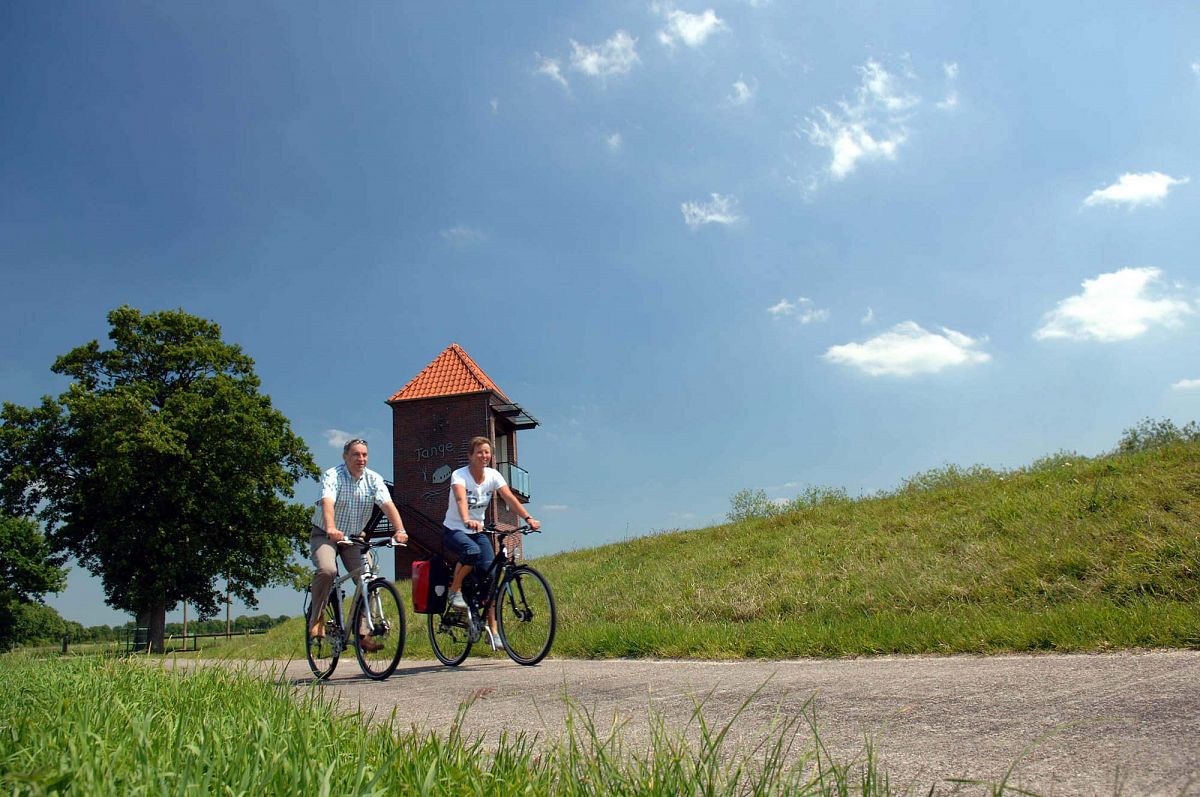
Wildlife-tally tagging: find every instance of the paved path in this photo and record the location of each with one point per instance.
(1075, 724)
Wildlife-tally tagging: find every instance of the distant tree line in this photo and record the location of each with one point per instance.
(38, 624)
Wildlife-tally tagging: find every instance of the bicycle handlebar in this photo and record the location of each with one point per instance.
(522, 529)
(386, 542)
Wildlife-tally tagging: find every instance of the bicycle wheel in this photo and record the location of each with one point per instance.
(379, 650)
(322, 651)
(449, 637)
(525, 610)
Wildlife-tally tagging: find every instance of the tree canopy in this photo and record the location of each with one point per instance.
(28, 570)
(162, 469)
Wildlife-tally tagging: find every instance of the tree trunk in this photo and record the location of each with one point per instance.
(155, 619)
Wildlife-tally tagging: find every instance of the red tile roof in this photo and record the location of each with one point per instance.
(452, 373)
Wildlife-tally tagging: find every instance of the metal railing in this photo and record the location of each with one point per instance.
(517, 478)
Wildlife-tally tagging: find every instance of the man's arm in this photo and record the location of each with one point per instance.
(331, 531)
(393, 516)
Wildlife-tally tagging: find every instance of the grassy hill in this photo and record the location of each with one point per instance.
(1070, 553)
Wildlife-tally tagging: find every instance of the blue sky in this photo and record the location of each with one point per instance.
(711, 246)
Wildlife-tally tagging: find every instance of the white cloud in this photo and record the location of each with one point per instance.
(495, 103)
(555, 508)
(871, 128)
(1135, 189)
(617, 56)
(743, 92)
(551, 68)
(804, 310)
(907, 349)
(869, 318)
(721, 210)
(950, 70)
(691, 29)
(462, 235)
(783, 308)
(1196, 68)
(337, 438)
(1186, 384)
(614, 142)
(1113, 307)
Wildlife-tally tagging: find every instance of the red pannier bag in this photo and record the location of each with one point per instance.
(430, 579)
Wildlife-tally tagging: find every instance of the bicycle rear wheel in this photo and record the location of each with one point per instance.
(379, 650)
(322, 651)
(525, 610)
(449, 636)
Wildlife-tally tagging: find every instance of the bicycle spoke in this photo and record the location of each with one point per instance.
(449, 637)
(323, 650)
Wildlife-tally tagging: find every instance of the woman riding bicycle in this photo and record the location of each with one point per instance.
(471, 490)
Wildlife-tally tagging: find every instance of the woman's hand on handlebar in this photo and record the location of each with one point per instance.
(533, 523)
(475, 525)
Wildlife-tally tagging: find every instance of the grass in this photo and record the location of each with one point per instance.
(95, 726)
(1068, 554)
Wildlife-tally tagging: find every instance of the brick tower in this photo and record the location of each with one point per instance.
(433, 418)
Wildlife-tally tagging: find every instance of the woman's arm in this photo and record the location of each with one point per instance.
(517, 507)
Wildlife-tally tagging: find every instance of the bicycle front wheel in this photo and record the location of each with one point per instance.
(449, 636)
(525, 610)
(379, 645)
(324, 648)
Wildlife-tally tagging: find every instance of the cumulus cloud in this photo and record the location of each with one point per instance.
(720, 210)
(1112, 307)
(869, 317)
(1187, 384)
(614, 142)
(551, 68)
(617, 56)
(1196, 68)
(337, 438)
(691, 29)
(803, 310)
(1133, 190)
(462, 235)
(907, 350)
(872, 127)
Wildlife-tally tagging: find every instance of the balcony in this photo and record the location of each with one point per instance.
(517, 478)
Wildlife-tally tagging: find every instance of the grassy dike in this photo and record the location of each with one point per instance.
(1068, 554)
(96, 726)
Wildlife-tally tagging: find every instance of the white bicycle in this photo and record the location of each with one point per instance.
(376, 617)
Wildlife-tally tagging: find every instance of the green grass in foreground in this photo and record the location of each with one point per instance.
(92, 726)
(1069, 554)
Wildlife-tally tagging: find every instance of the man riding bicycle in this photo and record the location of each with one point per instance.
(349, 492)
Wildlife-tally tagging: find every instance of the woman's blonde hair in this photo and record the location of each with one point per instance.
(476, 442)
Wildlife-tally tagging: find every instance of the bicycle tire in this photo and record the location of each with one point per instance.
(387, 618)
(323, 651)
(449, 637)
(527, 615)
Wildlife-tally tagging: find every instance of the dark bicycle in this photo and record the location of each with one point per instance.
(377, 620)
(524, 607)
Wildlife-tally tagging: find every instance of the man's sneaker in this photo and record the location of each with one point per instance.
(456, 601)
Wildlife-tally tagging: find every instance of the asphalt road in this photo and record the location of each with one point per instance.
(1124, 723)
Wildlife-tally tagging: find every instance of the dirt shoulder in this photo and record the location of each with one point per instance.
(1072, 724)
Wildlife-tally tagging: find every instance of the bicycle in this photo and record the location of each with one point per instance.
(377, 615)
(524, 611)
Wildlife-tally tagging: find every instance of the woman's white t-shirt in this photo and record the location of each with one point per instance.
(479, 495)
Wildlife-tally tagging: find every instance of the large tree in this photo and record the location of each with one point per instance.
(162, 468)
(28, 570)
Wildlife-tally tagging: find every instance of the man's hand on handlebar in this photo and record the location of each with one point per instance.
(334, 535)
(400, 537)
